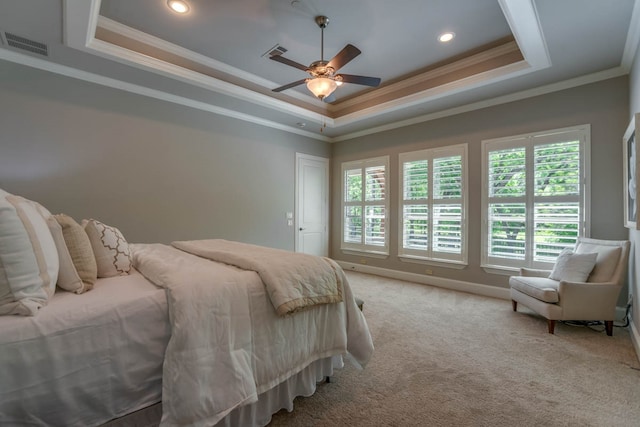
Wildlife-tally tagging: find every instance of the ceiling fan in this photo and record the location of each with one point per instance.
(324, 80)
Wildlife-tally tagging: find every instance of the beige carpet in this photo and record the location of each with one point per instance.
(446, 358)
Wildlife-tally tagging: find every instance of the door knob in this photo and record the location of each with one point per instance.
(301, 229)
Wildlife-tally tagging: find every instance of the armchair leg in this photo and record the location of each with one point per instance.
(551, 325)
(514, 304)
(608, 326)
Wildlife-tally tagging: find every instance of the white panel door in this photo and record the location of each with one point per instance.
(312, 205)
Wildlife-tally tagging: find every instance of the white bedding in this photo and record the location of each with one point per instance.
(86, 359)
(228, 344)
(90, 357)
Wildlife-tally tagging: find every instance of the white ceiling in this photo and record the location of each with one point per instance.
(213, 57)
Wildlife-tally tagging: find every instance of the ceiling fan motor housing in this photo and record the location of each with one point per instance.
(320, 69)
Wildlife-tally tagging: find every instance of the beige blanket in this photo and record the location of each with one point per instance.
(294, 281)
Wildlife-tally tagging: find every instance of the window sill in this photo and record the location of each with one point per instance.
(458, 265)
(501, 269)
(371, 254)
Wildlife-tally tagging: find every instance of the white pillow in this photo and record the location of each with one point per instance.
(28, 256)
(572, 267)
(110, 248)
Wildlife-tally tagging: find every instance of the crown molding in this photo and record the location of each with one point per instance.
(75, 73)
(517, 96)
(633, 38)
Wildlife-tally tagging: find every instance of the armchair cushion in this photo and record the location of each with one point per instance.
(606, 261)
(540, 288)
(573, 267)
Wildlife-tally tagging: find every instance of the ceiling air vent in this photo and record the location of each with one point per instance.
(26, 44)
(276, 50)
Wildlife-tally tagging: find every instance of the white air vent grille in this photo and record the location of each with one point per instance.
(26, 44)
(276, 50)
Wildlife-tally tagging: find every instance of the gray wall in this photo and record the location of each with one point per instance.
(634, 235)
(603, 105)
(162, 172)
(156, 170)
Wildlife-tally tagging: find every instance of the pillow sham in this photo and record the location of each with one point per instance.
(572, 267)
(111, 250)
(29, 261)
(78, 269)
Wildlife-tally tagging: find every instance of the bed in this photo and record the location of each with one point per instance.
(180, 339)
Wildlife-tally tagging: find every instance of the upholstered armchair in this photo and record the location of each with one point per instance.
(581, 286)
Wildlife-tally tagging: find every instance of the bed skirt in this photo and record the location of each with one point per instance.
(257, 414)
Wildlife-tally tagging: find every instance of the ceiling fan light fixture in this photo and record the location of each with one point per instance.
(178, 6)
(321, 87)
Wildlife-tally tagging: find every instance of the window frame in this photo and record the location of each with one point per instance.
(529, 141)
(363, 248)
(429, 255)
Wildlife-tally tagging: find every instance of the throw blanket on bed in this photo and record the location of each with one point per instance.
(227, 343)
(295, 281)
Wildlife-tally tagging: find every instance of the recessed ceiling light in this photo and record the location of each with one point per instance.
(178, 6)
(446, 37)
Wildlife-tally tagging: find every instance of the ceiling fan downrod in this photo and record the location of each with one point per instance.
(322, 22)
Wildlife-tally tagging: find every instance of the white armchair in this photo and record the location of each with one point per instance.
(594, 299)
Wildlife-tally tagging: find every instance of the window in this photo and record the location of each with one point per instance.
(365, 205)
(534, 197)
(433, 218)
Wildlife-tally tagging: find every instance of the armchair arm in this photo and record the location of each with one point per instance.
(532, 272)
(588, 301)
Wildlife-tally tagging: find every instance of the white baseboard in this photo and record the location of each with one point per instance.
(457, 285)
(635, 337)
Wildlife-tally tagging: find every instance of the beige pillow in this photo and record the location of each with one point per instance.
(28, 256)
(110, 248)
(78, 272)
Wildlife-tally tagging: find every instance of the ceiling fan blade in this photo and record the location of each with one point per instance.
(361, 80)
(345, 55)
(290, 85)
(285, 61)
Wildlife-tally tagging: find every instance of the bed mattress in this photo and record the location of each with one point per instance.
(90, 357)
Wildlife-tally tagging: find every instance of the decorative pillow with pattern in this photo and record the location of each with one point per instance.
(29, 261)
(111, 250)
(78, 269)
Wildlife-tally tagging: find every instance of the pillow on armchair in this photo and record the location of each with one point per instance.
(573, 267)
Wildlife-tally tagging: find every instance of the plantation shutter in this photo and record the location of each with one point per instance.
(365, 205)
(433, 202)
(447, 204)
(556, 207)
(534, 197)
(415, 210)
(507, 203)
